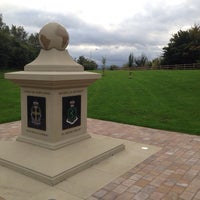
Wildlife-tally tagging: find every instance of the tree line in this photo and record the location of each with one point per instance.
(183, 48)
(17, 48)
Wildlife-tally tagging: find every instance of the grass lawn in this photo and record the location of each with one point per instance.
(168, 100)
(9, 100)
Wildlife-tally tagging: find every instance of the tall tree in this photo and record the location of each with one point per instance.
(183, 47)
(130, 64)
(87, 63)
(33, 40)
(19, 33)
(130, 60)
(17, 48)
(3, 27)
(5, 47)
(141, 61)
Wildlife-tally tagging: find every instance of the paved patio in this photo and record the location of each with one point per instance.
(172, 173)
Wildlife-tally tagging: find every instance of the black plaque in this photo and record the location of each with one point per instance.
(36, 112)
(71, 111)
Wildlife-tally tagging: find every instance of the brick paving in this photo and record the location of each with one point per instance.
(173, 173)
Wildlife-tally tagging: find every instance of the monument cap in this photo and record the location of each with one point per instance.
(53, 35)
(53, 55)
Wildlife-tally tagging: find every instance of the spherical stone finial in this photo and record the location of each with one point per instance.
(53, 35)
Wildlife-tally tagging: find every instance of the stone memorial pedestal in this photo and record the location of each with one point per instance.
(54, 143)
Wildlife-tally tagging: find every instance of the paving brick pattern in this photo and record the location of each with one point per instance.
(171, 174)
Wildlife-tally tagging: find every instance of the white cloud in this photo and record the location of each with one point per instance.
(115, 28)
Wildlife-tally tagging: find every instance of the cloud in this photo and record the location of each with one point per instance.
(146, 31)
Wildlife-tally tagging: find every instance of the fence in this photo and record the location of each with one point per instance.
(179, 67)
(167, 67)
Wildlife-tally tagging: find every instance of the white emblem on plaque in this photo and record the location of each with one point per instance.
(72, 113)
(36, 113)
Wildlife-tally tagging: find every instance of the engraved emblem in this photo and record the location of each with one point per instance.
(72, 113)
(36, 114)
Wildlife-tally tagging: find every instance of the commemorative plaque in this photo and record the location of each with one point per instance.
(36, 112)
(71, 112)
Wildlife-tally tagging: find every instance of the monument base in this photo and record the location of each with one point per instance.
(52, 167)
(52, 145)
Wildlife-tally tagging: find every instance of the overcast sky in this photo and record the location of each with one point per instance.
(110, 28)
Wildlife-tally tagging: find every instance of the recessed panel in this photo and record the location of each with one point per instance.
(71, 111)
(36, 112)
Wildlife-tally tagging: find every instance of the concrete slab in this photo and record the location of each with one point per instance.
(54, 194)
(52, 167)
(15, 186)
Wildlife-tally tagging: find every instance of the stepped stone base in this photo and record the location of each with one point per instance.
(52, 167)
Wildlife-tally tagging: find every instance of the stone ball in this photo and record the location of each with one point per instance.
(53, 35)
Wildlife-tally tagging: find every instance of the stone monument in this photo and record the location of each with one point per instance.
(54, 143)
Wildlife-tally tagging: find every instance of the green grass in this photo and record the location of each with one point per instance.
(168, 100)
(9, 100)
